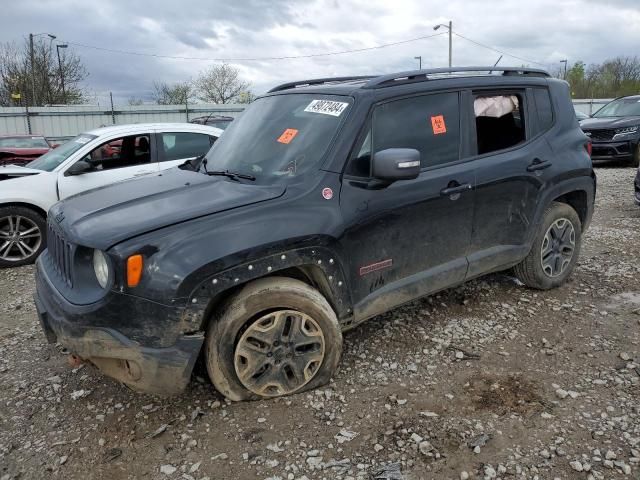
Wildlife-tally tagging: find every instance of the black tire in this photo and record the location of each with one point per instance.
(14, 253)
(531, 271)
(635, 161)
(265, 302)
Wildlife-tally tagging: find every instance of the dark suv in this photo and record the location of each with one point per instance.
(615, 130)
(325, 204)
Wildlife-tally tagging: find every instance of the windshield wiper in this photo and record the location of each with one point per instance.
(231, 175)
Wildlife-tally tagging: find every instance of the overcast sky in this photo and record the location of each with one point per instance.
(544, 31)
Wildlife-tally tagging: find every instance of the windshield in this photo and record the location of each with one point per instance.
(279, 137)
(622, 107)
(23, 142)
(50, 160)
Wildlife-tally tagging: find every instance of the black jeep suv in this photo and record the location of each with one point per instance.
(326, 203)
(615, 131)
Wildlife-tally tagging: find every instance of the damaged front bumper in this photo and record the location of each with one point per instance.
(151, 358)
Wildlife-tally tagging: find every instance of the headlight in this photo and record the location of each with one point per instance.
(101, 268)
(621, 132)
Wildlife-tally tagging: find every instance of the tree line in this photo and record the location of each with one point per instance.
(612, 78)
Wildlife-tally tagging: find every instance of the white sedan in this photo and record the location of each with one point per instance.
(93, 159)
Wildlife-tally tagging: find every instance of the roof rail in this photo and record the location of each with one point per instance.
(423, 75)
(318, 81)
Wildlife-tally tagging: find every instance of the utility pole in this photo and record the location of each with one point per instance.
(450, 42)
(113, 115)
(419, 58)
(33, 71)
(64, 94)
(565, 68)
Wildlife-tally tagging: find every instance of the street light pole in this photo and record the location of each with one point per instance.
(33, 68)
(450, 27)
(565, 68)
(64, 94)
(419, 58)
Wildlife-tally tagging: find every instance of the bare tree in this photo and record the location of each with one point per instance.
(171, 94)
(134, 101)
(18, 77)
(221, 84)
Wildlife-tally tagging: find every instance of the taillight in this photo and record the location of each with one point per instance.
(587, 147)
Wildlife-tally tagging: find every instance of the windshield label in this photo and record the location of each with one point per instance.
(287, 135)
(326, 107)
(83, 140)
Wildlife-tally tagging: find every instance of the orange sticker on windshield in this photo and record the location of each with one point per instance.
(438, 125)
(288, 135)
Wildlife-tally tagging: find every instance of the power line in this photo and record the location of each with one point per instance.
(254, 59)
(498, 51)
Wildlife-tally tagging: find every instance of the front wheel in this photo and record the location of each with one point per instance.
(276, 337)
(555, 249)
(22, 236)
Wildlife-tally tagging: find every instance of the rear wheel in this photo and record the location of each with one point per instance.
(555, 249)
(277, 336)
(22, 236)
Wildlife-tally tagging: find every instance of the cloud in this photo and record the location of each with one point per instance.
(543, 31)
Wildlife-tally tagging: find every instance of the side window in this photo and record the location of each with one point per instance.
(121, 152)
(499, 121)
(179, 145)
(429, 124)
(543, 106)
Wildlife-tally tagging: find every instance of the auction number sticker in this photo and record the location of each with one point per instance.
(287, 135)
(438, 125)
(326, 107)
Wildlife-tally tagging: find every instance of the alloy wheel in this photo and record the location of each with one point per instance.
(20, 238)
(279, 353)
(558, 246)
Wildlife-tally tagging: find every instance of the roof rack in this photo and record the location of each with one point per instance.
(319, 81)
(423, 75)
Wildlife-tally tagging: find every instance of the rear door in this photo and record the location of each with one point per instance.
(114, 160)
(512, 163)
(175, 148)
(409, 238)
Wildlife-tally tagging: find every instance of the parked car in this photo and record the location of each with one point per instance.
(581, 115)
(326, 203)
(615, 131)
(92, 159)
(636, 185)
(21, 149)
(218, 121)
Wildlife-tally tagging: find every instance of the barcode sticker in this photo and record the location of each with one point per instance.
(326, 107)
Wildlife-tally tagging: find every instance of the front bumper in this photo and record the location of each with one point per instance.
(145, 360)
(620, 150)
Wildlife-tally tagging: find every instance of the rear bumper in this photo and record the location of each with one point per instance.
(148, 367)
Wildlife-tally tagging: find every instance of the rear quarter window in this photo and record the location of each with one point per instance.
(545, 111)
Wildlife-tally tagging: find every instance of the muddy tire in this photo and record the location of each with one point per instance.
(555, 249)
(277, 336)
(22, 236)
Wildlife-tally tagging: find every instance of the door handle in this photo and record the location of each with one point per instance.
(538, 164)
(445, 192)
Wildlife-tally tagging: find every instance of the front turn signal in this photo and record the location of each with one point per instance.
(134, 270)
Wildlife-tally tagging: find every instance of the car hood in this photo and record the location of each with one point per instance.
(14, 171)
(103, 217)
(610, 122)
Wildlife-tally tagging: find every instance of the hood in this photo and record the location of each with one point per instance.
(15, 171)
(609, 122)
(103, 217)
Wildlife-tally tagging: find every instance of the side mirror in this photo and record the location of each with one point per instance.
(80, 167)
(396, 164)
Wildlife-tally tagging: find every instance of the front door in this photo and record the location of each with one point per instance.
(115, 160)
(409, 238)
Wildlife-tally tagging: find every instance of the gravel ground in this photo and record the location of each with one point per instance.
(489, 380)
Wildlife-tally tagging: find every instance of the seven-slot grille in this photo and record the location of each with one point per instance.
(61, 254)
(601, 135)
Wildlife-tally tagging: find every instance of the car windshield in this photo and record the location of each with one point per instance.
(279, 137)
(23, 142)
(622, 107)
(50, 160)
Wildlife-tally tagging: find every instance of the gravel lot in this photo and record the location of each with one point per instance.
(489, 380)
